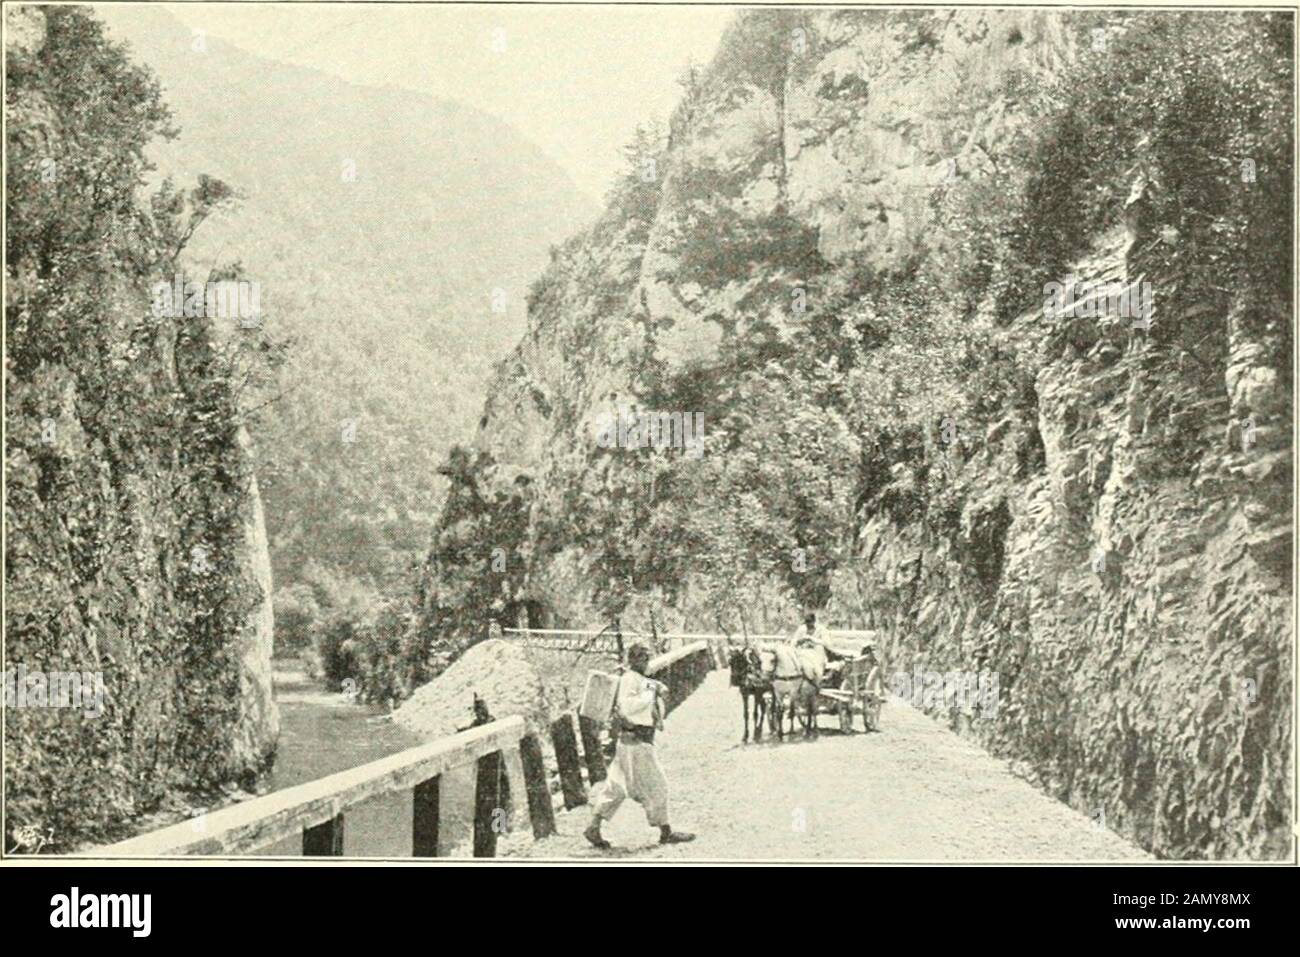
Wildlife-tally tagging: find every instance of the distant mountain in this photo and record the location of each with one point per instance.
(393, 236)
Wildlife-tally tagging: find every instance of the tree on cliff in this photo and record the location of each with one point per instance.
(476, 570)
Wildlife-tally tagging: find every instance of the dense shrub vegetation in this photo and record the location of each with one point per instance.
(125, 478)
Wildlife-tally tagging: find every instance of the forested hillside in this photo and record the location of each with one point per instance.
(394, 236)
(838, 255)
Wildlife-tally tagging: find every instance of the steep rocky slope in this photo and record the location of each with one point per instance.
(134, 540)
(841, 254)
(1133, 596)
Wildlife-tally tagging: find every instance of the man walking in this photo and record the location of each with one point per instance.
(635, 773)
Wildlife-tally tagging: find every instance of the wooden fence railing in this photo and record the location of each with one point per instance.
(596, 642)
(590, 642)
(604, 643)
(682, 670)
(317, 810)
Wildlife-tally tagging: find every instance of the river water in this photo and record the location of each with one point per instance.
(323, 732)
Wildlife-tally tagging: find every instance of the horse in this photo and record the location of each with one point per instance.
(747, 675)
(796, 671)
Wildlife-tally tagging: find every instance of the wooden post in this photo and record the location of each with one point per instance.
(590, 731)
(488, 813)
(504, 800)
(424, 819)
(538, 789)
(566, 755)
(324, 840)
(512, 786)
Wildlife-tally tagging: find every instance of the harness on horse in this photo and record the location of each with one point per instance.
(801, 674)
(751, 678)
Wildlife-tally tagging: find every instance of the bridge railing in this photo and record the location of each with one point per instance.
(682, 670)
(596, 642)
(603, 642)
(507, 758)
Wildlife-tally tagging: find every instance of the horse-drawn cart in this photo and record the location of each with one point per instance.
(838, 674)
(853, 683)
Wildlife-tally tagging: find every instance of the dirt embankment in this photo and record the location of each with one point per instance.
(498, 671)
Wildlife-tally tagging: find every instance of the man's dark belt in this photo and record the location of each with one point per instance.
(645, 734)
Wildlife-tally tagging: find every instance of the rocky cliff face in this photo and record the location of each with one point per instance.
(134, 541)
(842, 132)
(258, 728)
(1094, 509)
(1132, 596)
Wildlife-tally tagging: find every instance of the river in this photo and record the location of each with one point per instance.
(324, 732)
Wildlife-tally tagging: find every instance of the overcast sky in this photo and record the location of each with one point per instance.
(576, 80)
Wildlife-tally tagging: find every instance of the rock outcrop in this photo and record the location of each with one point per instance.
(1135, 606)
(134, 542)
(258, 729)
(1110, 535)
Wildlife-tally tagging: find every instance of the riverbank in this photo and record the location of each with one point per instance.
(321, 732)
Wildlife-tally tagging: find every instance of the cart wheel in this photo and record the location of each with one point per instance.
(846, 718)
